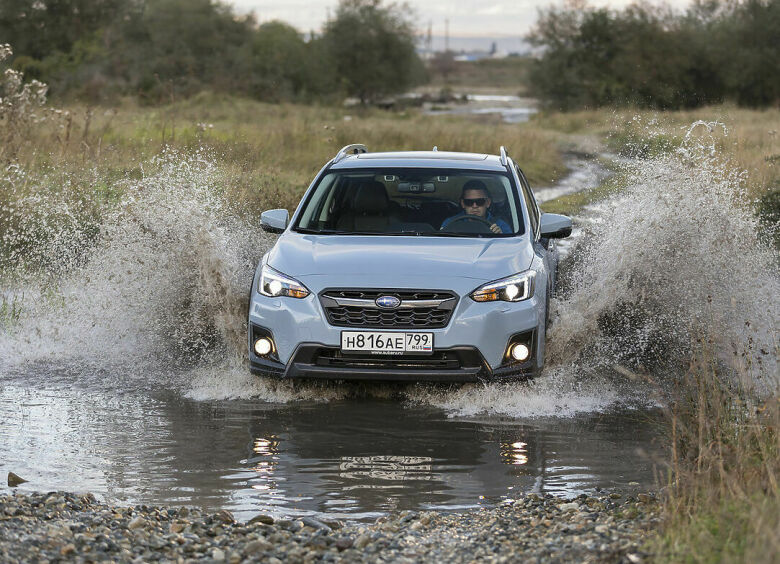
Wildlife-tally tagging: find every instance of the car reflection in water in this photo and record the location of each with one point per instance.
(357, 460)
(350, 459)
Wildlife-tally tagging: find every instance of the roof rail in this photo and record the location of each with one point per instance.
(503, 155)
(354, 149)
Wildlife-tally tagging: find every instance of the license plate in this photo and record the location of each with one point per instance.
(377, 342)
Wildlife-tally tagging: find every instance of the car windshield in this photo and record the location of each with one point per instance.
(425, 202)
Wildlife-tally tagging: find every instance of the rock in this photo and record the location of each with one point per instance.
(362, 541)
(177, 527)
(315, 523)
(573, 506)
(631, 513)
(601, 529)
(136, 523)
(14, 480)
(226, 517)
(615, 495)
(257, 546)
(644, 498)
(218, 554)
(344, 543)
(68, 549)
(634, 558)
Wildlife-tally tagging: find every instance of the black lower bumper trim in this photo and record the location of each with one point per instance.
(459, 364)
(383, 374)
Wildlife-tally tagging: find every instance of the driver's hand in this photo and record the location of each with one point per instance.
(495, 228)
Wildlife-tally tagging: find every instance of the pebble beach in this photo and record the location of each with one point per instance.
(68, 527)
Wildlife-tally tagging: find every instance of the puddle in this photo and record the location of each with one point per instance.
(350, 459)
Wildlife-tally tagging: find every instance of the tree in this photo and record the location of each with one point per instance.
(276, 57)
(372, 48)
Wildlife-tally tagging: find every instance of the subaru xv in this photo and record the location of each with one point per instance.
(410, 266)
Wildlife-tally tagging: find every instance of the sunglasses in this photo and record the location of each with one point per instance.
(474, 202)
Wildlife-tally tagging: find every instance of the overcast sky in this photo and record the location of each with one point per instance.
(466, 17)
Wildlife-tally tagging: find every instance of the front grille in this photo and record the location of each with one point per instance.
(418, 309)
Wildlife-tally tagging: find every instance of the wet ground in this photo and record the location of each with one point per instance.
(511, 109)
(350, 459)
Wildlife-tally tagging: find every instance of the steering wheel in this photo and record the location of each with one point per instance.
(481, 224)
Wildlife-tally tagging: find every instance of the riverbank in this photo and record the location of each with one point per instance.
(59, 526)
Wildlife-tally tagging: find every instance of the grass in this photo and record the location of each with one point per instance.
(751, 140)
(723, 499)
(270, 151)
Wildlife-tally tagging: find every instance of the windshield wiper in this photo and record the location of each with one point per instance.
(322, 231)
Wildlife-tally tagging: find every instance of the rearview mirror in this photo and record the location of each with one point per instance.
(274, 221)
(555, 226)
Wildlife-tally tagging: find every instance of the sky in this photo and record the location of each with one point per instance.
(467, 18)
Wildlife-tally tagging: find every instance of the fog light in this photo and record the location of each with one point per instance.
(263, 346)
(520, 352)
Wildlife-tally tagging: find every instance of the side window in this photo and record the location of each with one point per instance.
(530, 202)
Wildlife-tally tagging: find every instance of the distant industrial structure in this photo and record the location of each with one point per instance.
(470, 48)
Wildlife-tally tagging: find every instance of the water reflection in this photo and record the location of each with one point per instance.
(515, 454)
(352, 459)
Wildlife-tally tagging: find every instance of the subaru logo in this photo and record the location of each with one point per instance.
(388, 302)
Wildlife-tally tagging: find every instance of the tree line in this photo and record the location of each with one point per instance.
(160, 50)
(650, 56)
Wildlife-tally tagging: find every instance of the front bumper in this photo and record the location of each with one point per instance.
(471, 347)
(458, 364)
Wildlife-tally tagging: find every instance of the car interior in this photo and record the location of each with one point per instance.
(413, 203)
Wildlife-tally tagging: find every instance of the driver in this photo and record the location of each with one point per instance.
(475, 200)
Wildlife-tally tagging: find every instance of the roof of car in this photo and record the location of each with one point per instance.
(421, 159)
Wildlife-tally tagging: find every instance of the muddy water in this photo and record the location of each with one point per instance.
(353, 458)
(510, 109)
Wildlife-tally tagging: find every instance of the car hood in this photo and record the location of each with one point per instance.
(389, 257)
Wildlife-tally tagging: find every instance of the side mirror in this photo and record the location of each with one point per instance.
(555, 226)
(274, 221)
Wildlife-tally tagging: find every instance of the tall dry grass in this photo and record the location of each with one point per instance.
(271, 150)
(723, 499)
(751, 139)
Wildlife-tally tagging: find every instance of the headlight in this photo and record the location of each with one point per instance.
(514, 288)
(275, 284)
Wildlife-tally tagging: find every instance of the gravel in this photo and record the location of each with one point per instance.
(65, 527)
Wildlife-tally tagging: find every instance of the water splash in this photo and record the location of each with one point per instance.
(676, 257)
(163, 279)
